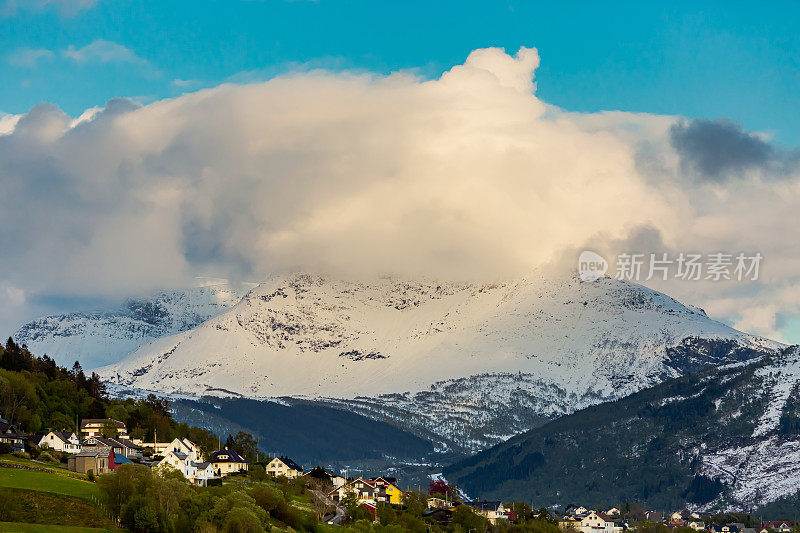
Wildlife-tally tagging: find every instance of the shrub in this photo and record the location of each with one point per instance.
(34, 450)
(22, 455)
(90, 475)
(241, 520)
(5, 448)
(46, 457)
(257, 473)
(267, 498)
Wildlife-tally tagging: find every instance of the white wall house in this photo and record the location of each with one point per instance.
(62, 441)
(594, 523)
(196, 472)
(184, 446)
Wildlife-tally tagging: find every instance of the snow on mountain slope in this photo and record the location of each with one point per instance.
(457, 359)
(765, 466)
(101, 337)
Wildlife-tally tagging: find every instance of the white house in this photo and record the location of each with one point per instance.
(579, 511)
(493, 511)
(595, 523)
(197, 472)
(203, 472)
(697, 526)
(62, 441)
(177, 460)
(184, 446)
(613, 512)
(336, 479)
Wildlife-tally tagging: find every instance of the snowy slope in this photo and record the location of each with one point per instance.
(724, 439)
(102, 337)
(765, 466)
(452, 358)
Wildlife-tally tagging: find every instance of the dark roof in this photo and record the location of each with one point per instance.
(233, 457)
(291, 464)
(5, 427)
(201, 466)
(119, 459)
(117, 443)
(63, 435)
(484, 505)
(86, 421)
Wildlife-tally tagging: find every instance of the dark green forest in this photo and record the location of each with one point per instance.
(37, 395)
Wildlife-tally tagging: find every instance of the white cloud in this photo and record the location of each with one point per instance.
(468, 175)
(102, 51)
(29, 57)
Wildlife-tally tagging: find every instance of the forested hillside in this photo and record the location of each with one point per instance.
(36, 395)
(727, 437)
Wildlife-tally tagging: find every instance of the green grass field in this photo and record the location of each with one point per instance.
(14, 478)
(33, 507)
(17, 527)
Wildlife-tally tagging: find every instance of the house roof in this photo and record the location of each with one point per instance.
(389, 480)
(484, 505)
(5, 427)
(63, 435)
(232, 457)
(201, 466)
(119, 459)
(86, 421)
(117, 443)
(94, 451)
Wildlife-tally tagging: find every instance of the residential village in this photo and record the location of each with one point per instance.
(94, 453)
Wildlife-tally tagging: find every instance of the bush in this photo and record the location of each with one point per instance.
(257, 473)
(143, 514)
(267, 498)
(46, 457)
(22, 455)
(90, 475)
(34, 450)
(240, 520)
(5, 448)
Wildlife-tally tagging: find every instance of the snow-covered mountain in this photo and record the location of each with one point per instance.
(471, 364)
(724, 439)
(101, 337)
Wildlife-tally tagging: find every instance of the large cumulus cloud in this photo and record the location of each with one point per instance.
(469, 176)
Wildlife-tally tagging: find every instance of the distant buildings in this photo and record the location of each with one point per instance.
(93, 427)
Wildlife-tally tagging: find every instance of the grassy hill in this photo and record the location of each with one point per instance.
(53, 481)
(35, 500)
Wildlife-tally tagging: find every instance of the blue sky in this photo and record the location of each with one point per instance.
(732, 59)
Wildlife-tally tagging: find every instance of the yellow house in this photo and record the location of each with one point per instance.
(394, 494)
(227, 462)
(389, 487)
(283, 466)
